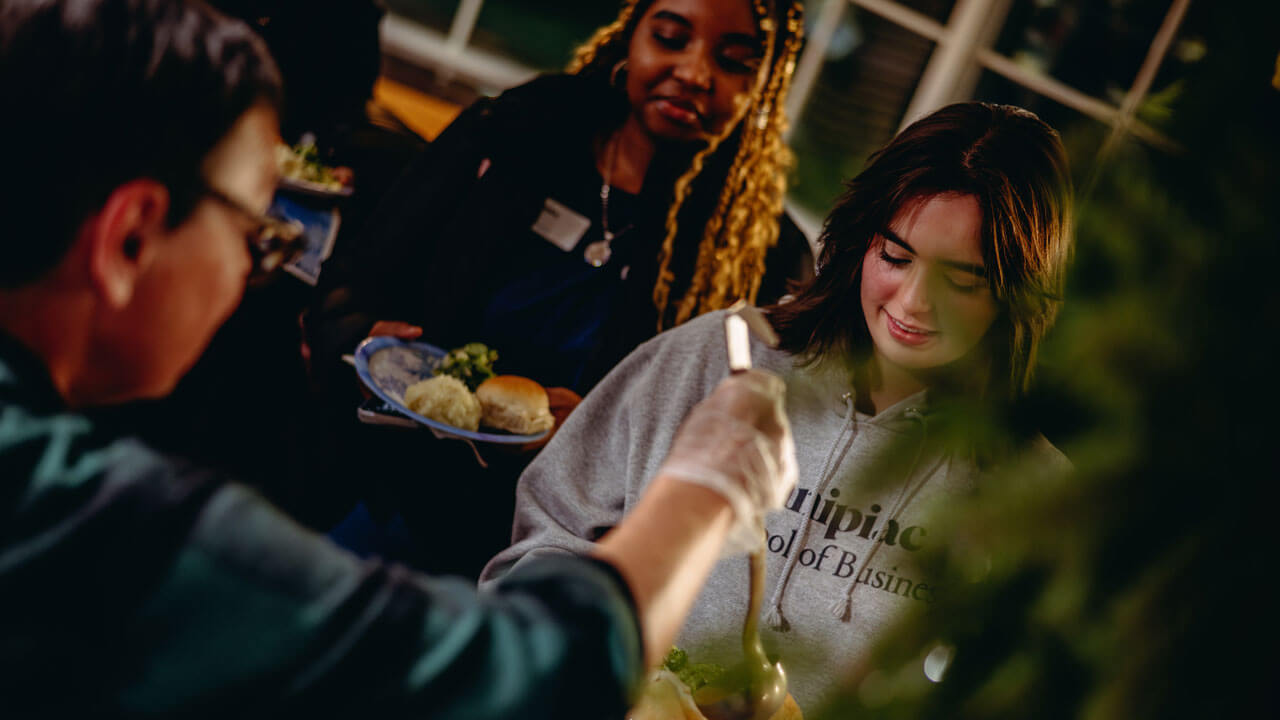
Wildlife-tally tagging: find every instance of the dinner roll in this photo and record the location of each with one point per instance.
(514, 404)
(444, 399)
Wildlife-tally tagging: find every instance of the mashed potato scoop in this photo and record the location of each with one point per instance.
(445, 399)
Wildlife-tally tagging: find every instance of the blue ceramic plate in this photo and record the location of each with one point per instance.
(388, 365)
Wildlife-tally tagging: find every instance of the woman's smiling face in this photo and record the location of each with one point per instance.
(689, 65)
(925, 294)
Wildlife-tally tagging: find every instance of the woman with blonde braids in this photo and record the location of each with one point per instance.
(744, 224)
(574, 217)
(570, 219)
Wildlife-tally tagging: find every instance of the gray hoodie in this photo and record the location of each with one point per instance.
(842, 560)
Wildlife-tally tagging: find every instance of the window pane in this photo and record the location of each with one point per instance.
(868, 77)
(1185, 58)
(939, 11)
(435, 14)
(1095, 46)
(537, 33)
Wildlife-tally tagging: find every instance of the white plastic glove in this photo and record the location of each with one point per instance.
(738, 443)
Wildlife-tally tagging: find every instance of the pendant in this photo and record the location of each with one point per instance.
(598, 253)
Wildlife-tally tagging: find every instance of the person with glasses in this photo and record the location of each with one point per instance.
(142, 133)
(272, 241)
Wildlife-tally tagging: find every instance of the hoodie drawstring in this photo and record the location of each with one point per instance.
(842, 608)
(774, 617)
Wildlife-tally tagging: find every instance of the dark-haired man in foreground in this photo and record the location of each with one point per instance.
(140, 136)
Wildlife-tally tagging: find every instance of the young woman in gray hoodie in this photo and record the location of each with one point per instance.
(941, 270)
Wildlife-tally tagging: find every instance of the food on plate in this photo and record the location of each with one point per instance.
(444, 399)
(670, 692)
(465, 393)
(472, 364)
(665, 698)
(302, 163)
(515, 404)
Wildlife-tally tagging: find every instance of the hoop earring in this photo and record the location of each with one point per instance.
(619, 68)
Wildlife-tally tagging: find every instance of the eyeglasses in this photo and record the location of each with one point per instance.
(272, 243)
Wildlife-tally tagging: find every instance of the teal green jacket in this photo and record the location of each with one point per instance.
(135, 585)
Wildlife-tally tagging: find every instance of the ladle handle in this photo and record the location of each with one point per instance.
(752, 647)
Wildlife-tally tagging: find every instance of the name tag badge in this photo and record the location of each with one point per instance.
(560, 225)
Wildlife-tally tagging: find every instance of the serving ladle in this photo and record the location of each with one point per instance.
(761, 684)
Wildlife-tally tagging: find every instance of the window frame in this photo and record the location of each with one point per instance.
(963, 49)
(961, 53)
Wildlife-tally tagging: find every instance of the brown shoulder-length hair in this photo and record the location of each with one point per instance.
(1016, 167)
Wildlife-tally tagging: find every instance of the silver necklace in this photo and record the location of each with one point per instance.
(599, 252)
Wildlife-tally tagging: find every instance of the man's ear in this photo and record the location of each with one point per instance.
(123, 237)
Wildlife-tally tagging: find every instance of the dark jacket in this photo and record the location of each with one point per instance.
(132, 584)
(447, 239)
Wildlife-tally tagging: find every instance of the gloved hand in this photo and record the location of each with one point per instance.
(738, 443)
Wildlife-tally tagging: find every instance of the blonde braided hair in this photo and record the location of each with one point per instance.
(744, 224)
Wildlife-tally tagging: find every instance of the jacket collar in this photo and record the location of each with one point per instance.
(24, 377)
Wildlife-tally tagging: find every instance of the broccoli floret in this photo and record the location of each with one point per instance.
(676, 659)
(472, 363)
(693, 675)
